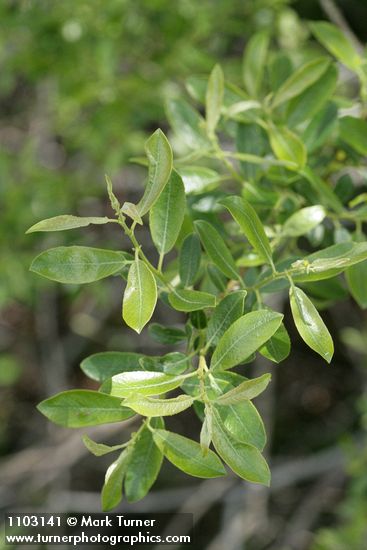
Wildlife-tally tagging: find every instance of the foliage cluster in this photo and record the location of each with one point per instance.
(258, 202)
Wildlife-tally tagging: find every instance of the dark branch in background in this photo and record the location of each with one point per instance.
(288, 474)
(51, 351)
(322, 495)
(35, 465)
(40, 467)
(243, 526)
(336, 16)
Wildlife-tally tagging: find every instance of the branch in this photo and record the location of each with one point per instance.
(287, 474)
(40, 466)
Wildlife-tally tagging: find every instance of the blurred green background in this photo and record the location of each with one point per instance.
(82, 85)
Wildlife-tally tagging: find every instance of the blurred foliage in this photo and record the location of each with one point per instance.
(81, 83)
(350, 531)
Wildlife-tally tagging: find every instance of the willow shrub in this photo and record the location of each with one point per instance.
(262, 201)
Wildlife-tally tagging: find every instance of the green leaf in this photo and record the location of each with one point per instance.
(335, 41)
(198, 179)
(248, 220)
(247, 390)
(331, 290)
(214, 99)
(112, 488)
(215, 384)
(300, 80)
(101, 366)
(250, 259)
(241, 107)
(150, 407)
(245, 460)
(279, 69)
(166, 335)
(321, 127)
(60, 223)
(196, 86)
(171, 363)
(78, 264)
(160, 159)
(278, 347)
(190, 256)
(167, 215)
(131, 210)
(144, 382)
(145, 462)
(115, 204)
(323, 189)
(250, 140)
(206, 430)
(287, 147)
(78, 408)
(191, 300)
(307, 104)
(187, 124)
(216, 248)
(100, 449)
(356, 276)
(198, 319)
(244, 337)
(354, 132)
(229, 309)
(304, 220)
(140, 296)
(254, 62)
(217, 278)
(187, 455)
(243, 422)
(328, 262)
(310, 325)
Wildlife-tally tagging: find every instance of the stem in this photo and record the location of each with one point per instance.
(258, 297)
(273, 277)
(130, 233)
(201, 372)
(290, 279)
(359, 230)
(160, 262)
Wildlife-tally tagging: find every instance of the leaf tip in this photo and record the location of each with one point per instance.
(328, 356)
(267, 483)
(42, 407)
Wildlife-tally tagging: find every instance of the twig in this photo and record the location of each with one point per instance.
(324, 492)
(249, 518)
